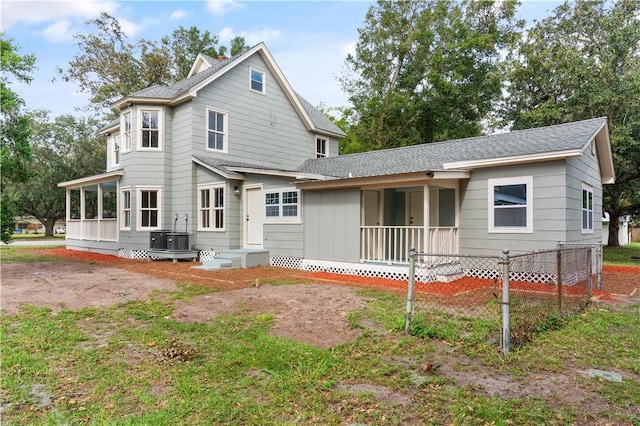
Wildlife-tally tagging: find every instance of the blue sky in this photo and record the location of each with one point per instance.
(308, 39)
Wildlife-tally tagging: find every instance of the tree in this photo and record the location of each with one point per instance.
(64, 149)
(584, 62)
(427, 70)
(108, 66)
(15, 152)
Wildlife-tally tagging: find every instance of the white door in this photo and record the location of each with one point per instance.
(254, 218)
(416, 209)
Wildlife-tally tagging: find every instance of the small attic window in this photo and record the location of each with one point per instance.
(256, 80)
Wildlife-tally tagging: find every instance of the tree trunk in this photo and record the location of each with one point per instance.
(614, 226)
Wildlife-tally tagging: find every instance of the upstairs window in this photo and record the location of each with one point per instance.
(587, 209)
(126, 131)
(282, 205)
(150, 129)
(321, 147)
(216, 130)
(257, 82)
(116, 150)
(511, 205)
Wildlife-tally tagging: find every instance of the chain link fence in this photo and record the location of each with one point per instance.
(507, 299)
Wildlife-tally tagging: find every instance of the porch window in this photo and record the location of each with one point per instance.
(216, 130)
(211, 208)
(282, 205)
(587, 209)
(150, 129)
(511, 204)
(149, 201)
(126, 209)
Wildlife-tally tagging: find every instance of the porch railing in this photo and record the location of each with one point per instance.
(392, 243)
(93, 229)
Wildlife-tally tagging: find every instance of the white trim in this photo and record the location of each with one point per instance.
(234, 176)
(211, 187)
(519, 159)
(245, 213)
(258, 171)
(126, 147)
(138, 204)
(91, 180)
(281, 205)
(519, 180)
(224, 133)
(264, 80)
(589, 190)
(121, 213)
(160, 111)
(326, 147)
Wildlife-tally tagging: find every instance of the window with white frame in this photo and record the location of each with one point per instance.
(116, 150)
(149, 211)
(211, 208)
(321, 147)
(216, 130)
(282, 205)
(587, 209)
(150, 129)
(511, 204)
(257, 82)
(125, 125)
(125, 208)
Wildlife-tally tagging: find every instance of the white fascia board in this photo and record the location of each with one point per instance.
(386, 181)
(234, 176)
(605, 157)
(91, 180)
(124, 102)
(270, 172)
(505, 161)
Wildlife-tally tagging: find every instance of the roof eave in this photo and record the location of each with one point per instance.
(92, 180)
(605, 157)
(405, 179)
(216, 170)
(128, 101)
(505, 161)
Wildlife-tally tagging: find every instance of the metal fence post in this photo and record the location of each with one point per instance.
(506, 327)
(411, 284)
(559, 280)
(589, 274)
(599, 267)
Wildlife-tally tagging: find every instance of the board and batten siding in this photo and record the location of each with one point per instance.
(262, 129)
(332, 225)
(549, 210)
(583, 169)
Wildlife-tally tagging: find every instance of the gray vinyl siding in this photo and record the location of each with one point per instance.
(262, 129)
(584, 169)
(549, 210)
(332, 225)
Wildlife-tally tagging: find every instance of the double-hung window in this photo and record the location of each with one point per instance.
(150, 129)
(211, 208)
(116, 150)
(511, 204)
(321, 147)
(149, 210)
(282, 205)
(216, 130)
(125, 214)
(125, 125)
(587, 209)
(256, 80)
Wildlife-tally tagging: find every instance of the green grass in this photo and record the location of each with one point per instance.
(132, 364)
(13, 254)
(622, 255)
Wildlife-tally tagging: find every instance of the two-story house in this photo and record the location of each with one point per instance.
(234, 157)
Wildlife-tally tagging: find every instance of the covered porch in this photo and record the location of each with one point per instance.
(92, 207)
(399, 218)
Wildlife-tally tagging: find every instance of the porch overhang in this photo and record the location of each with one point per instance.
(92, 180)
(404, 179)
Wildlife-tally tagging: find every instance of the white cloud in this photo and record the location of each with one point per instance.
(250, 37)
(131, 28)
(179, 14)
(58, 31)
(39, 12)
(349, 48)
(220, 7)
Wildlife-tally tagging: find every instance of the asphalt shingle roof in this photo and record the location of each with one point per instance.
(432, 156)
(224, 165)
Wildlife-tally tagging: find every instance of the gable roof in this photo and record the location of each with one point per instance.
(523, 146)
(206, 69)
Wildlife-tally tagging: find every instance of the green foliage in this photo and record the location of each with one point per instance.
(109, 66)
(426, 71)
(584, 62)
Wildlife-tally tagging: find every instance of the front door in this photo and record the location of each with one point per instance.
(254, 218)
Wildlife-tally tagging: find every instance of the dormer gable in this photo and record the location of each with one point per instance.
(203, 62)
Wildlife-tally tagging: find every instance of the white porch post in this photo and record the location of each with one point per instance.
(82, 213)
(99, 211)
(426, 242)
(67, 207)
